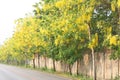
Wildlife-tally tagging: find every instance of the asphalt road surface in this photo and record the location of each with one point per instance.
(16, 73)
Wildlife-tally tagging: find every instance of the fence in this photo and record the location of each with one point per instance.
(106, 69)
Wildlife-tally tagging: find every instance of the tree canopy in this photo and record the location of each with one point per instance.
(64, 29)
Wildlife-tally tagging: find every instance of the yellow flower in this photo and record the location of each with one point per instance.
(90, 46)
(118, 3)
(113, 40)
(65, 29)
(46, 7)
(113, 7)
(83, 27)
(60, 4)
(94, 41)
(56, 42)
(79, 20)
(63, 22)
(80, 1)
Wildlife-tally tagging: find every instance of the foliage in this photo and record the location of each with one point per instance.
(64, 29)
(117, 78)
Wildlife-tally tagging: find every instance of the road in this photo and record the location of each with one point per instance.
(16, 73)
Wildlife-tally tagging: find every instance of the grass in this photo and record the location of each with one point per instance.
(117, 78)
(66, 75)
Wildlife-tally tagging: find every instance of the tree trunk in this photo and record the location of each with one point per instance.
(111, 71)
(69, 66)
(77, 67)
(90, 64)
(119, 34)
(103, 66)
(54, 65)
(118, 67)
(25, 60)
(111, 66)
(45, 62)
(93, 55)
(34, 61)
(38, 60)
(94, 67)
(17, 62)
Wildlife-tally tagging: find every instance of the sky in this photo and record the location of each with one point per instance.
(10, 10)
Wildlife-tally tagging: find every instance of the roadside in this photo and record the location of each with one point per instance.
(52, 72)
(9, 72)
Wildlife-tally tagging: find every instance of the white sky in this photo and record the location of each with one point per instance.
(11, 10)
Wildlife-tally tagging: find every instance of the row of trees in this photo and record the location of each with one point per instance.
(64, 29)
